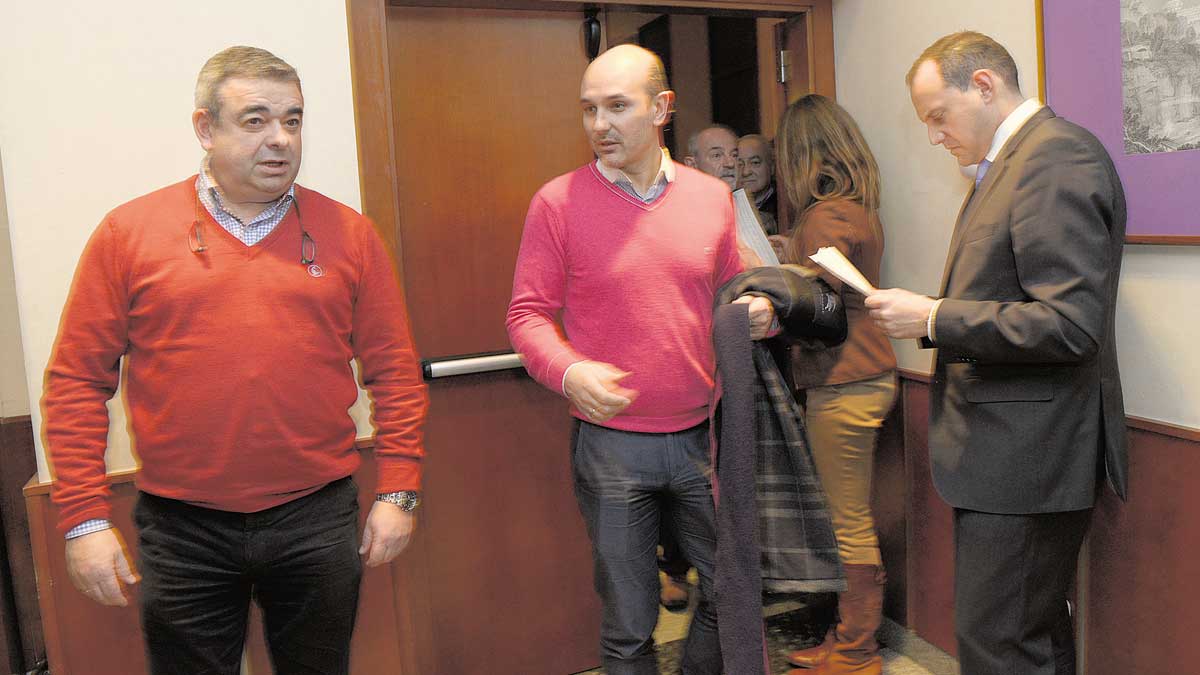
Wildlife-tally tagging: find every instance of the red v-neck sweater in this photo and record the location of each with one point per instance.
(634, 284)
(238, 377)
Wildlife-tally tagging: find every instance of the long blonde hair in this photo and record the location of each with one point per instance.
(821, 155)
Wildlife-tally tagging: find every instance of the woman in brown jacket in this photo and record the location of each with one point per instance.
(831, 181)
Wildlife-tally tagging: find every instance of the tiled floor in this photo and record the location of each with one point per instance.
(903, 652)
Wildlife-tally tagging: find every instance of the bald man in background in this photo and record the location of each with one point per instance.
(756, 162)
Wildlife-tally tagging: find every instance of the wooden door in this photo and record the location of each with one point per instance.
(461, 115)
(485, 110)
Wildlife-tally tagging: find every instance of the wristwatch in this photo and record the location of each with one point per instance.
(407, 500)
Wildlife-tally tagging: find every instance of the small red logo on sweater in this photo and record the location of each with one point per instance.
(316, 270)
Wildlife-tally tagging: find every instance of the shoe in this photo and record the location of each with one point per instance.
(673, 592)
(813, 656)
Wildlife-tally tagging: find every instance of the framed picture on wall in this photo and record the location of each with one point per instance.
(1129, 71)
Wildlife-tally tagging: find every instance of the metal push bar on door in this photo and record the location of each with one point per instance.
(469, 364)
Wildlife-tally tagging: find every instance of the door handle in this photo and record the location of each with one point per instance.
(469, 364)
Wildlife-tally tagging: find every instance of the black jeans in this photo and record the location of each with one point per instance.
(201, 567)
(622, 480)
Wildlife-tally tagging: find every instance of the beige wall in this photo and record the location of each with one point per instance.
(14, 399)
(875, 42)
(95, 111)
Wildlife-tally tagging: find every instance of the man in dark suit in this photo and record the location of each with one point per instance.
(1026, 411)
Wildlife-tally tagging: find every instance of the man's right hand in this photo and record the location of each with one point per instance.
(99, 564)
(595, 390)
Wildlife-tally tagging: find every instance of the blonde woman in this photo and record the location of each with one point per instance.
(831, 181)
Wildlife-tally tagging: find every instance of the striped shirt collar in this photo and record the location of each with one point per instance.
(666, 174)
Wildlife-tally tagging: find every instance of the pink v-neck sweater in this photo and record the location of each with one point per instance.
(634, 286)
(237, 358)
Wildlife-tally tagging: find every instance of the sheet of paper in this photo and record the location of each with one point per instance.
(832, 259)
(750, 231)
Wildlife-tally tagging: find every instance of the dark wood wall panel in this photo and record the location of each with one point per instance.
(1144, 579)
(889, 504)
(21, 641)
(931, 531)
(82, 636)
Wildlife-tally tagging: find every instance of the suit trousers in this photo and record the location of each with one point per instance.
(1012, 574)
(625, 483)
(201, 567)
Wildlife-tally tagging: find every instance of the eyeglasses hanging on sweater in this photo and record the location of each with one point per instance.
(308, 245)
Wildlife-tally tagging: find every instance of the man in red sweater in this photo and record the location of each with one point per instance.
(235, 301)
(630, 250)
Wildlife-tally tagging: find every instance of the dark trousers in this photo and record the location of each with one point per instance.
(1012, 577)
(622, 481)
(201, 568)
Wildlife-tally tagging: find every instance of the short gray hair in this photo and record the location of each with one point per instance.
(235, 62)
(694, 139)
(766, 143)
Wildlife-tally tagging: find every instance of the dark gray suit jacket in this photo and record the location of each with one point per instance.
(1026, 408)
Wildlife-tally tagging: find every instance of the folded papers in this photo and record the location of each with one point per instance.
(832, 260)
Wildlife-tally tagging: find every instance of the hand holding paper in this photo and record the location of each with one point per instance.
(899, 313)
(832, 260)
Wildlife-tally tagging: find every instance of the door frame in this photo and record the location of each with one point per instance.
(369, 70)
(374, 124)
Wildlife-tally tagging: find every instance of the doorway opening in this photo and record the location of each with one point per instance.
(739, 69)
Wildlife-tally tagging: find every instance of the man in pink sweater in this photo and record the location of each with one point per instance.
(235, 301)
(629, 252)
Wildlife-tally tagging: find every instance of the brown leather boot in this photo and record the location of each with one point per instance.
(860, 611)
(813, 656)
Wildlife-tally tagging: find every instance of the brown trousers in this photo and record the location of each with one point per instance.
(843, 423)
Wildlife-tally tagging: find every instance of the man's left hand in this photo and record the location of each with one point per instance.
(900, 313)
(388, 531)
(762, 314)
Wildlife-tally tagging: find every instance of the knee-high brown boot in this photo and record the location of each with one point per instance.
(860, 611)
